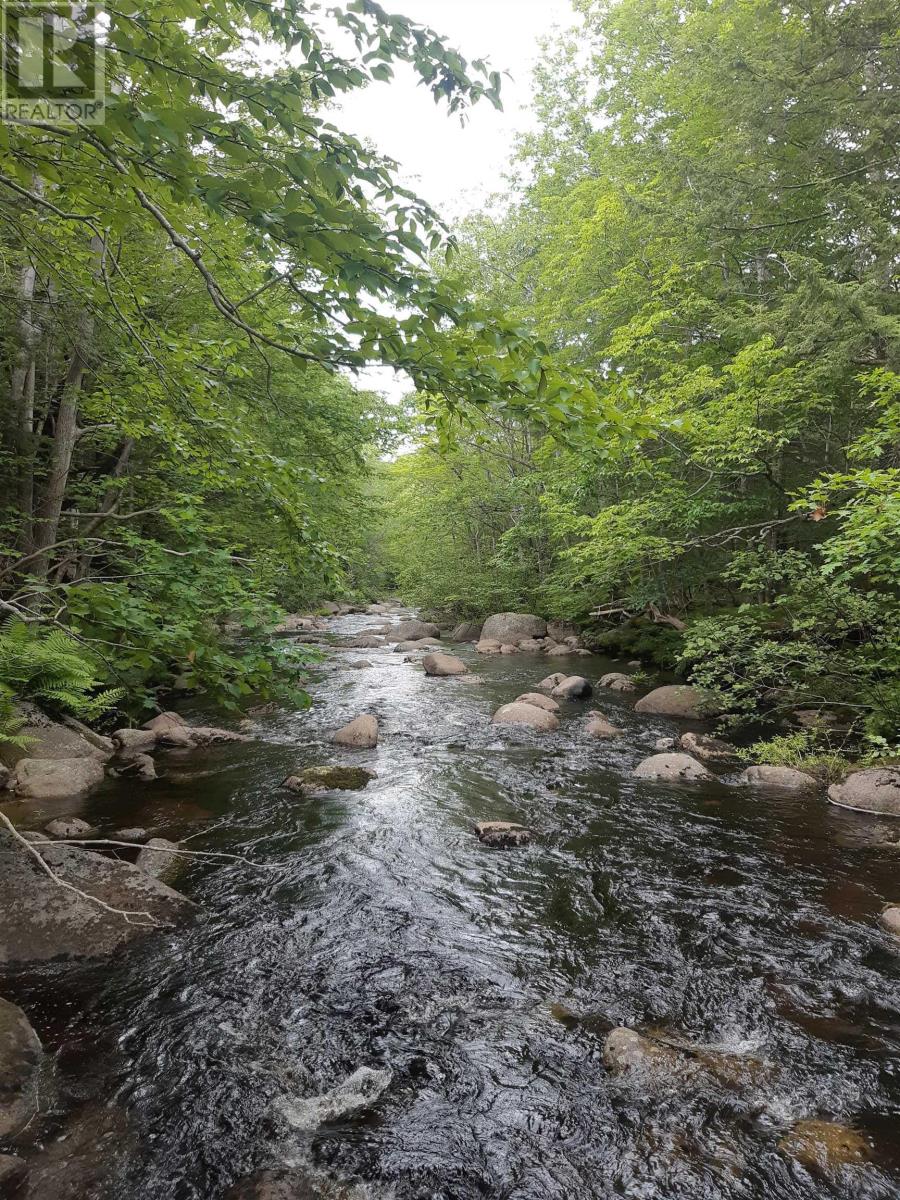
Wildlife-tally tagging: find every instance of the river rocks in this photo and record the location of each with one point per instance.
(552, 681)
(572, 687)
(133, 766)
(616, 681)
(49, 740)
(512, 628)
(359, 664)
(329, 779)
(360, 1091)
(890, 920)
(710, 750)
(365, 642)
(173, 732)
(56, 778)
(467, 631)
(13, 1173)
(20, 1062)
(599, 727)
(679, 767)
(69, 827)
(443, 665)
(786, 779)
(414, 631)
(421, 644)
(42, 920)
(531, 646)
(673, 700)
(876, 790)
(502, 835)
(825, 1145)
(560, 651)
(157, 860)
(488, 647)
(538, 701)
(360, 734)
(525, 714)
(625, 1050)
(135, 741)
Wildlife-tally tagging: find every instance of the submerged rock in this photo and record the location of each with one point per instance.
(616, 681)
(673, 700)
(423, 644)
(20, 1062)
(365, 642)
(329, 779)
(359, 664)
(537, 700)
(512, 628)
(562, 631)
(502, 835)
(56, 778)
(360, 734)
(41, 920)
(784, 778)
(572, 687)
(890, 920)
(50, 739)
(876, 790)
(525, 714)
(599, 727)
(69, 827)
(360, 1091)
(710, 750)
(671, 766)
(825, 1145)
(444, 665)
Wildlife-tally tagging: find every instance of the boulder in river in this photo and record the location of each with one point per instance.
(359, 1091)
(360, 734)
(825, 1145)
(359, 664)
(617, 681)
(538, 700)
(467, 631)
(414, 631)
(20, 1064)
(572, 687)
(416, 644)
(599, 727)
(875, 790)
(174, 733)
(157, 860)
(56, 778)
(665, 744)
(525, 714)
(329, 779)
(488, 647)
(548, 684)
(69, 827)
(890, 919)
(671, 766)
(512, 628)
(366, 641)
(502, 835)
(136, 741)
(786, 779)
(52, 740)
(673, 700)
(531, 646)
(710, 750)
(559, 650)
(442, 665)
(42, 920)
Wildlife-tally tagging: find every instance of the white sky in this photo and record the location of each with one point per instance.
(454, 168)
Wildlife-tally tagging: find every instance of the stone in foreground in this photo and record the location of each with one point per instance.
(329, 779)
(444, 665)
(625, 1050)
(825, 1145)
(671, 766)
(42, 920)
(468, 631)
(414, 631)
(419, 644)
(512, 628)
(873, 791)
(784, 778)
(538, 701)
(361, 734)
(20, 1061)
(488, 647)
(673, 700)
(502, 835)
(56, 778)
(572, 687)
(525, 714)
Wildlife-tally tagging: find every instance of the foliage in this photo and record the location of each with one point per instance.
(803, 750)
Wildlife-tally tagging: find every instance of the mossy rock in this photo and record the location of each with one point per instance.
(330, 779)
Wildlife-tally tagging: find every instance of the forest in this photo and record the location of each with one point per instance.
(654, 382)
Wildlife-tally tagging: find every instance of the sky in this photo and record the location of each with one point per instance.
(455, 168)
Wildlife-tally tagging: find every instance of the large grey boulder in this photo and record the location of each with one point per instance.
(525, 714)
(360, 734)
(467, 631)
(876, 790)
(625, 1050)
(599, 727)
(532, 645)
(51, 740)
(366, 641)
(512, 628)
(20, 1063)
(572, 687)
(56, 778)
(443, 665)
(673, 700)
(786, 779)
(41, 920)
(173, 732)
(413, 631)
(671, 766)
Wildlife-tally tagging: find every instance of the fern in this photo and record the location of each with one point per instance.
(47, 666)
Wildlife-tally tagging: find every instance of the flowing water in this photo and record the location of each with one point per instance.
(380, 933)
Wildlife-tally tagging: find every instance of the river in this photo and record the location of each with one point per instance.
(379, 932)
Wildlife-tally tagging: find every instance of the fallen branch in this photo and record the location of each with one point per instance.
(155, 849)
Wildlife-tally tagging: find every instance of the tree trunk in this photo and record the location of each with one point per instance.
(21, 407)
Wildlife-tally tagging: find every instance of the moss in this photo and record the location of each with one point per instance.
(639, 638)
(330, 779)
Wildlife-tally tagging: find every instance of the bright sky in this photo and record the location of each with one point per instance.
(455, 168)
